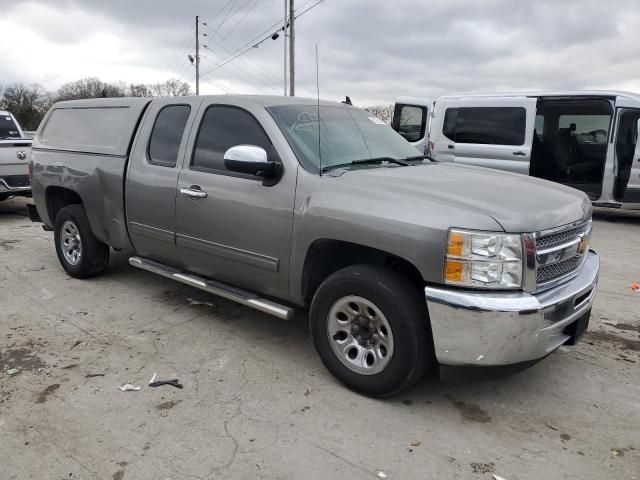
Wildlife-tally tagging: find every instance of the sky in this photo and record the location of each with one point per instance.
(371, 50)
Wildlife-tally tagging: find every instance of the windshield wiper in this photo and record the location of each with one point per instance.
(421, 157)
(365, 161)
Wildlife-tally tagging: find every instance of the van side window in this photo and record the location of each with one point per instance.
(449, 125)
(224, 127)
(412, 121)
(486, 125)
(586, 129)
(166, 135)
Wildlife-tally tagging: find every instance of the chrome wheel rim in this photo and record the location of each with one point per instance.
(70, 242)
(360, 335)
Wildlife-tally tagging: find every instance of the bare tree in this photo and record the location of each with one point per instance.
(170, 88)
(139, 90)
(91, 87)
(28, 103)
(383, 112)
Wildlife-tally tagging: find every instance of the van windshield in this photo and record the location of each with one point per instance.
(347, 134)
(8, 128)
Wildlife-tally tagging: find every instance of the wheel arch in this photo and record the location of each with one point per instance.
(326, 256)
(56, 198)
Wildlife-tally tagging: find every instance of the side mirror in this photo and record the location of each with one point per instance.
(250, 159)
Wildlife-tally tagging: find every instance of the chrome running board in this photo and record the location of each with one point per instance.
(229, 292)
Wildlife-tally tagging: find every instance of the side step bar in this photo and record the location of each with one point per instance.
(212, 286)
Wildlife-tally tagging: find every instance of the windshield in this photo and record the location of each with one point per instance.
(8, 128)
(348, 134)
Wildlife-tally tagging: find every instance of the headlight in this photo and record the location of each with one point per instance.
(483, 259)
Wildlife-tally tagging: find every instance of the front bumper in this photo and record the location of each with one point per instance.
(472, 328)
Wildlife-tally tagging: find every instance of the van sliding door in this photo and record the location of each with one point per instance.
(493, 132)
(627, 183)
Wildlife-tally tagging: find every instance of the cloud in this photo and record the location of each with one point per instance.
(369, 50)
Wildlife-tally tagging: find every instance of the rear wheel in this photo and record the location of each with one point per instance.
(80, 253)
(370, 327)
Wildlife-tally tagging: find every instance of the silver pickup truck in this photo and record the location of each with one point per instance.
(405, 265)
(14, 150)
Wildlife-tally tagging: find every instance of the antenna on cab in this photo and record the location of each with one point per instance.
(318, 105)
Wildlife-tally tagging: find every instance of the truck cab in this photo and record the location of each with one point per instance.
(583, 139)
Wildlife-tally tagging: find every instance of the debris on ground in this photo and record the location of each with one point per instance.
(548, 425)
(193, 301)
(127, 387)
(483, 467)
(153, 378)
(91, 375)
(173, 382)
(416, 444)
(496, 477)
(381, 474)
(635, 286)
(13, 371)
(307, 392)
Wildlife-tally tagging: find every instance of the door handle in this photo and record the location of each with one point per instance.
(519, 153)
(193, 192)
(450, 146)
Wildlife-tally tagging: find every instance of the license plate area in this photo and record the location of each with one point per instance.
(576, 329)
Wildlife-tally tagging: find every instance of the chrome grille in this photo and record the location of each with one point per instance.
(559, 238)
(547, 273)
(559, 253)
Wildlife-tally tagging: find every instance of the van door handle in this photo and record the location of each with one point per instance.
(519, 153)
(450, 146)
(193, 192)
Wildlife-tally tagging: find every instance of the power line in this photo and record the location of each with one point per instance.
(244, 75)
(257, 44)
(248, 62)
(247, 73)
(247, 11)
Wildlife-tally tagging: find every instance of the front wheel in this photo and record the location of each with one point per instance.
(370, 327)
(80, 253)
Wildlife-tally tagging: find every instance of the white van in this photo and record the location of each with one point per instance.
(583, 139)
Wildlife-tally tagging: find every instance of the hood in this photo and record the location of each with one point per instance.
(517, 202)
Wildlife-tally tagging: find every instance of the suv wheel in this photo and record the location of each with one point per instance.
(370, 327)
(80, 253)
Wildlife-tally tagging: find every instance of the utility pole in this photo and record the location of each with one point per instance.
(284, 31)
(292, 53)
(197, 59)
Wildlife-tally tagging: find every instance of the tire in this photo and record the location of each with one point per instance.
(92, 257)
(391, 359)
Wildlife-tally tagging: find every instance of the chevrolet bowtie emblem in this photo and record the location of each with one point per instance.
(583, 246)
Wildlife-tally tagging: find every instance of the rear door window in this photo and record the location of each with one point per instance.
(8, 128)
(410, 122)
(486, 125)
(166, 135)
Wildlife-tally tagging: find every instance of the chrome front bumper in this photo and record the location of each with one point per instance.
(472, 328)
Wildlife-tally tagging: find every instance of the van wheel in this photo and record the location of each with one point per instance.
(80, 253)
(370, 327)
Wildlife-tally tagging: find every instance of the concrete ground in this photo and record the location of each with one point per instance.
(257, 403)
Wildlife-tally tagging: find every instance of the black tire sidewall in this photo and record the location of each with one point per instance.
(92, 260)
(400, 302)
